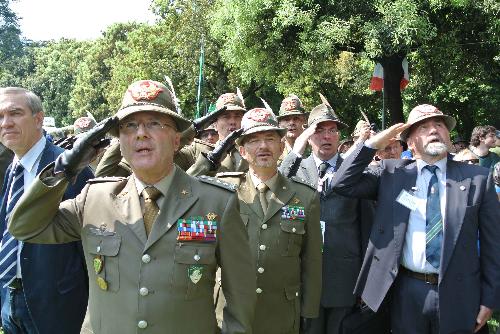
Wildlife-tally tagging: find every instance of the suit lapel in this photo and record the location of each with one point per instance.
(280, 197)
(180, 198)
(404, 178)
(457, 192)
(248, 194)
(128, 206)
(48, 156)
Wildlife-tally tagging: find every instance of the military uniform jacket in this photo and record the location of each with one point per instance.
(156, 284)
(286, 248)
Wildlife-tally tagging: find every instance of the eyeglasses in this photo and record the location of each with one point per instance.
(325, 131)
(154, 125)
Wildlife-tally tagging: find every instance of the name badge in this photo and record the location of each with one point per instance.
(407, 200)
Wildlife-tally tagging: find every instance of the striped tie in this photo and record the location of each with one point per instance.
(433, 221)
(9, 245)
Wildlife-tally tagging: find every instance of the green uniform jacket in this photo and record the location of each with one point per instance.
(286, 251)
(155, 284)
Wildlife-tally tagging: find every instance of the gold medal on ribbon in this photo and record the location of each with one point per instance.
(98, 264)
(102, 283)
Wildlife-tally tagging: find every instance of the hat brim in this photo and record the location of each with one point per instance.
(235, 108)
(255, 129)
(448, 120)
(340, 125)
(182, 123)
(293, 113)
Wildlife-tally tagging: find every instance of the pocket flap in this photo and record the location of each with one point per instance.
(107, 245)
(194, 254)
(292, 292)
(293, 226)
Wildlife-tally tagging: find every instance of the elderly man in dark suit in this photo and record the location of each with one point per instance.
(340, 216)
(424, 241)
(44, 288)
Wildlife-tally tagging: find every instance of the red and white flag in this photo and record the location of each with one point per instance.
(377, 81)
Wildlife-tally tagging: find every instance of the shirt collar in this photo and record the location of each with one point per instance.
(441, 164)
(163, 185)
(332, 161)
(270, 183)
(29, 160)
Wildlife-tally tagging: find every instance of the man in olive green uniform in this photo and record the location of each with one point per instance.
(293, 117)
(152, 241)
(282, 219)
(6, 157)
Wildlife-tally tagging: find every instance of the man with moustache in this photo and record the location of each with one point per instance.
(292, 116)
(340, 216)
(423, 253)
(282, 220)
(152, 241)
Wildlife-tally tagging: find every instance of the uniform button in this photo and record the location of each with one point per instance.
(143, 291)
(294, 230)
(196, 257)
(142, 324)
(296, 294)
(262, 247)
(259, 290)
(264, 226)
(146, 258)
(260, 270)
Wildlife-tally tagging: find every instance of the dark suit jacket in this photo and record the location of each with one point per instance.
(342, 237)
(54, 276)
(467, 279)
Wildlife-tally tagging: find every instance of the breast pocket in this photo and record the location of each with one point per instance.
(292, 232)
(194, 271)
(104, 250)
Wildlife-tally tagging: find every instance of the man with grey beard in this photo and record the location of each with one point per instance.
(422, 256)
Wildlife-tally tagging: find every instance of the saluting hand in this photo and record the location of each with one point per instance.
(301, 142)
(85, 149)
(222, 148)
(386, 137)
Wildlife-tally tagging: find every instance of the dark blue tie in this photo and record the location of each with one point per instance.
(433, 221)
(9, 245)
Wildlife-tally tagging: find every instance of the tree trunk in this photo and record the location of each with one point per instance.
(393, 72)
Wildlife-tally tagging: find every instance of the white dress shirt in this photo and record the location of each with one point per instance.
(414, 257)
(30, 162)
(329, 172)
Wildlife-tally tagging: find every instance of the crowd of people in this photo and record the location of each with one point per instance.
(245, 221)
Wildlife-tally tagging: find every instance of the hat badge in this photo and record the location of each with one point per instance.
(290, 105)
(259, 115)
(144, 90)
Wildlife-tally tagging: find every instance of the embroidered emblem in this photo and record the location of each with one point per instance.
(293, 212)
(290, 105)
(296, 200)
(83, 122)
(144, 90)
(196, 229)
(211, 216)
(195, 272)
(98, 264)
(259, 115)
(102, 283)
(184, 192)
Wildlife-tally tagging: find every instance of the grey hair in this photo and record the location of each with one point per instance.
(32, 100)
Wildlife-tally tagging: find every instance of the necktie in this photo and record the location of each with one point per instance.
(9, 246)
(433, 221)
(151, 209)
(322, 168)
(262, 188)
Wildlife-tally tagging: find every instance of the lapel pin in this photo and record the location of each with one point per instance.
(414, 188)
(184, 192)
(211, 216)
(462, 188)
(284, 188)
(296, 200)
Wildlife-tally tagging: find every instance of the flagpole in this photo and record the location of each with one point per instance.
(200, 80)
(383, 108)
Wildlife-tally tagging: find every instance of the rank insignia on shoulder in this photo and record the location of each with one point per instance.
(195, 272)
(293, 212)
(303, 181)
(197, 229)
(217, 182)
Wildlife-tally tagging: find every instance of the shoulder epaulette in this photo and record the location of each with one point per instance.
(106, 179)
(302, 181)
(217, 182)
(230, 174)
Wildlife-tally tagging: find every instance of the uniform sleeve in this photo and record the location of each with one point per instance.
(112, 164)
(41, 217)
(237, 269)
(290, 164)
(311, 261)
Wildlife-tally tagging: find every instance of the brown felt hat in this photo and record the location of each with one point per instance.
(423, 112)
